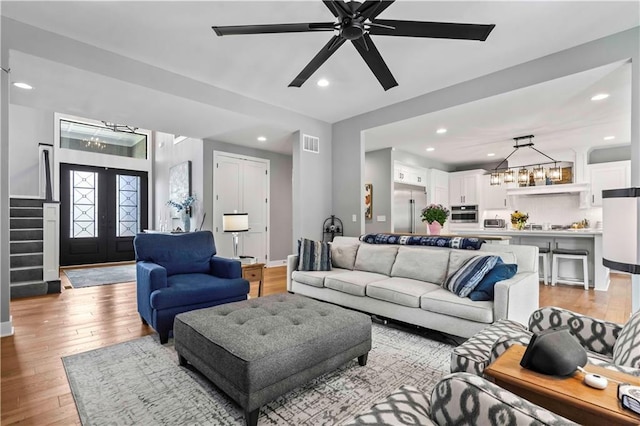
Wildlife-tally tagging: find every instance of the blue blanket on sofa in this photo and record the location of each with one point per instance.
(422, 240)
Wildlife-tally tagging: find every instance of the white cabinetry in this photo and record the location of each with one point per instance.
(464, 187)
(438, 189)
(494, 197)
(608, 176)
(410, 175)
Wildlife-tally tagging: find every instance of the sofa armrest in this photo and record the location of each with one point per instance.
(594, 335)
(225, 268)
(517, 297)
(292, 265)
(464, 398)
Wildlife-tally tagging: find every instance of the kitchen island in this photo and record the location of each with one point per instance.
(589, 239)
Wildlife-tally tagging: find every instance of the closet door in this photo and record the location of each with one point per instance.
(241, 184)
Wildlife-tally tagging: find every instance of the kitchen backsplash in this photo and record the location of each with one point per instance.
(557, 209)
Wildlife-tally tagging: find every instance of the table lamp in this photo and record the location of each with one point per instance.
(235, 223)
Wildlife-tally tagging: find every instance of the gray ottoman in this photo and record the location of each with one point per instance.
(259, 349)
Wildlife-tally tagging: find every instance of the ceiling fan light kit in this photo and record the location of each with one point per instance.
(356, 22)
(501, 175)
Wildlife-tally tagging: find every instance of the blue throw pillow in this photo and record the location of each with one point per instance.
(313, 255)
(484, 290)
(466, 279)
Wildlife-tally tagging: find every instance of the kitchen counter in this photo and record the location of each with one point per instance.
(589, 239)
(587, 233)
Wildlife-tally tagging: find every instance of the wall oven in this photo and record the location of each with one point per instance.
(464, 214)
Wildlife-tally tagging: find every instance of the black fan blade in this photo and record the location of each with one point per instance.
(374, 60)
(338, 7)
(273, 28)
(372, 8)
(318, 60)
(432, 29)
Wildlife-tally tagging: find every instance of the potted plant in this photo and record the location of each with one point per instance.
(435, 215)
(184, 209)
(519, 219)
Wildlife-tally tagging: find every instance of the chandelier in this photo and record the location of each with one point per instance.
(94, 143)
(522, 174)
(119, 127)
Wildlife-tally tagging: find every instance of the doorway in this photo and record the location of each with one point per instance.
(101, 211)
(241, 184)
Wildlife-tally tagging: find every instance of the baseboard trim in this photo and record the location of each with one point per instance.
(6, 328)
(273, 263)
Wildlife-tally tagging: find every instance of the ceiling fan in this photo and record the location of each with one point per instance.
(357, 22)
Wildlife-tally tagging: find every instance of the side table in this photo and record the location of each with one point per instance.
(566, 396)
(254, 272)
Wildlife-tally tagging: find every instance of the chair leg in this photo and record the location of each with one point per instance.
(164, 337)
(144, 321)
(554, 271)
(585, 271)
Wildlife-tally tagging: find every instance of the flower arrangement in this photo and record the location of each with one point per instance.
(519, 219)
(435, 213)
(184, 204)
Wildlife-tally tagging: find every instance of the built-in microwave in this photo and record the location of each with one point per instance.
(464, 214)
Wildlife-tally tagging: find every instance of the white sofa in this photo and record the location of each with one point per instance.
(405, 283)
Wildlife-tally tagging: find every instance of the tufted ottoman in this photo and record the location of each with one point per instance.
(259, 349)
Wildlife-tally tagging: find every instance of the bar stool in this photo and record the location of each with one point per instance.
(544, 253)
(579, 254)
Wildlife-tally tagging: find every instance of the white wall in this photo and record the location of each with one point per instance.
(27, 128)
(166, 155)
(5, 295)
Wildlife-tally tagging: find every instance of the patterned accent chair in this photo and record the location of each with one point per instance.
(608, 344)
(459, 398)
(180, 272)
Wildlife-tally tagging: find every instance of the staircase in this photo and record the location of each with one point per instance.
(26, 249)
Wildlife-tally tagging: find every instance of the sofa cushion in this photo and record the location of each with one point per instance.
(313, 255)
(192, 289)
(401, 291)
(465, 279)
(376, 259)
(457, 258)
(444, 302)
(343, 255)
(352, 282)
(626, 350)
(485, 289)
(424, 264)
(314, 278)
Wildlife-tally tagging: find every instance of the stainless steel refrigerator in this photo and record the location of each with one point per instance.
(408, 202)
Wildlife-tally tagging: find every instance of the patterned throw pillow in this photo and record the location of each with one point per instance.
(313, 255)
(485, 288)
(626, 350)
(465, 279)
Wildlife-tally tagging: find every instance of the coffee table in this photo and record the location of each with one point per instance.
(566, 396)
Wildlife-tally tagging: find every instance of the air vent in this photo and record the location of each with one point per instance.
(311, 143)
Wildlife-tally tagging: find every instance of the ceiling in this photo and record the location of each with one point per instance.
(177, 37)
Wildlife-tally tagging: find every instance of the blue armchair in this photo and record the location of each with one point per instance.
(180, 272)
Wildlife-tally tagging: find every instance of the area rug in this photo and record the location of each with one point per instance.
(139, 382)
(88, 277)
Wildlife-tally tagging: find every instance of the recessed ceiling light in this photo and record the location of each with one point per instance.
(608, 138)
(491, 154)
(600, 96)
(323, 82)
(441, 130)
(262, 138)
(23, 85)
(430, 149)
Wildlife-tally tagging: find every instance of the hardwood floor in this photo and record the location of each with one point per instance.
(34, 387)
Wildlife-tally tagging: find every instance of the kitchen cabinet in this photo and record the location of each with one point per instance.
(411, 175)
(494, 197)
(438, 188)
(464, 188)
(616, 174)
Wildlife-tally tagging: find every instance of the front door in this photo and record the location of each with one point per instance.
(101, 211)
